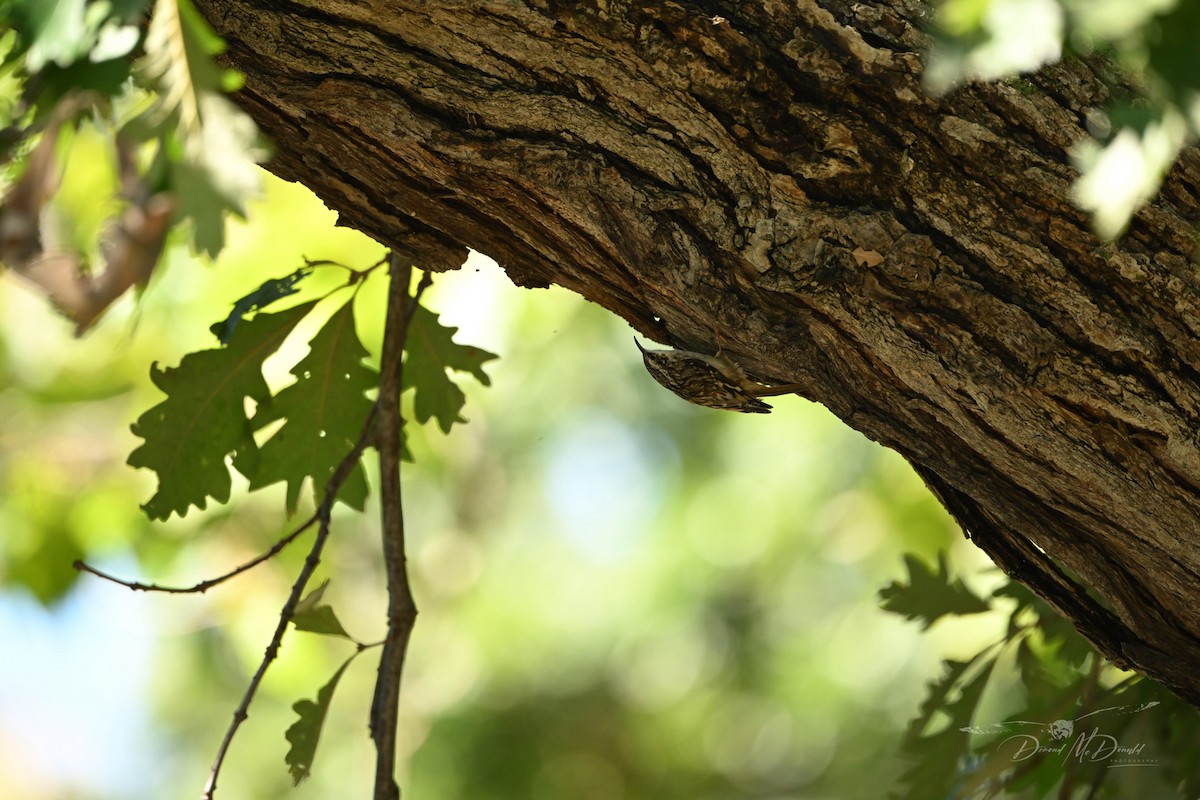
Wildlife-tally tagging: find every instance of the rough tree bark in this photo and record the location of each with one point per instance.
(725, 166)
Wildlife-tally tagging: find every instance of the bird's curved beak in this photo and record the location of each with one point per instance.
(639, 345)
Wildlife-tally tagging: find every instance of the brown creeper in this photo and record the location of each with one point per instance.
(709, 381)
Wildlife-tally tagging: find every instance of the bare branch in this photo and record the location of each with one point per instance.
(202, 586)
(322, 515)
(402, 610)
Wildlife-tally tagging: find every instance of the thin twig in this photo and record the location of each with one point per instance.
(285, 616)
(402, 610)
(356, 274)
(411, 308)
(202, 586)
(323, 513)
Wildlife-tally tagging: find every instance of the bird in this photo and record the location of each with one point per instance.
(710, 381)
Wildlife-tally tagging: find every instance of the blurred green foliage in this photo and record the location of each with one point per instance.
(1081, 731)
(156, 86)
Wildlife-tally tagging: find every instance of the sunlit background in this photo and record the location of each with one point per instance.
(621, 595)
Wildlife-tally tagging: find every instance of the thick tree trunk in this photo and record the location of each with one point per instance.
(774, 172)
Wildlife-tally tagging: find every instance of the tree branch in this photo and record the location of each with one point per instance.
(322, 515)
(205, 585)
(990, 339)
(402, 610)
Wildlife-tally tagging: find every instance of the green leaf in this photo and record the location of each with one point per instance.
(178, 62)
(325, 411)
(936, 697)
(58, 32)
(214, 147)
(113, 41)
(305, 732)
(217, 178)
(431, 350)
(263, 296)
(322, 620)
(310, 600)
(313, 617)
(203, 420)
(936, 757)
(930, 595)
(1072, 648)
(1172, 49)
(106, 78)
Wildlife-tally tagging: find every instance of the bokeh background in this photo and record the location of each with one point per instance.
(621, 595)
